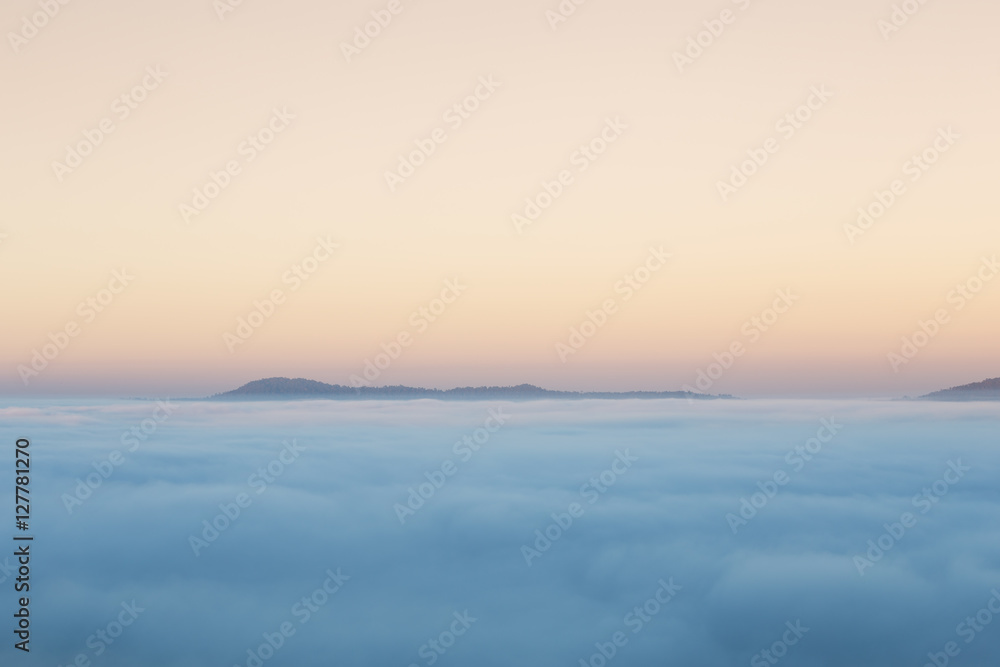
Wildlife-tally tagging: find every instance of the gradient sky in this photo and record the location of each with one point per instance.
(656, 186)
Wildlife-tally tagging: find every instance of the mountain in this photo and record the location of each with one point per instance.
(987, 390)
(285, 388)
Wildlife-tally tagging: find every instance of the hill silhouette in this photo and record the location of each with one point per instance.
(987, 390)
(299, 388)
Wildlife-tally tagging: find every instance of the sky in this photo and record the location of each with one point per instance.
(657, 490)
(187, 165)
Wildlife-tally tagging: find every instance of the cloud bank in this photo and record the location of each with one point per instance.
(632, 533)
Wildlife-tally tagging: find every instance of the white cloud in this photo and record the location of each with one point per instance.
(665, 518)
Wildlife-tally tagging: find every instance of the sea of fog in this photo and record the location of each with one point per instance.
(621, 533)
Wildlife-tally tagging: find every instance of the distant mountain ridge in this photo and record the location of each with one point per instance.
(286, 388)
(987, 390)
